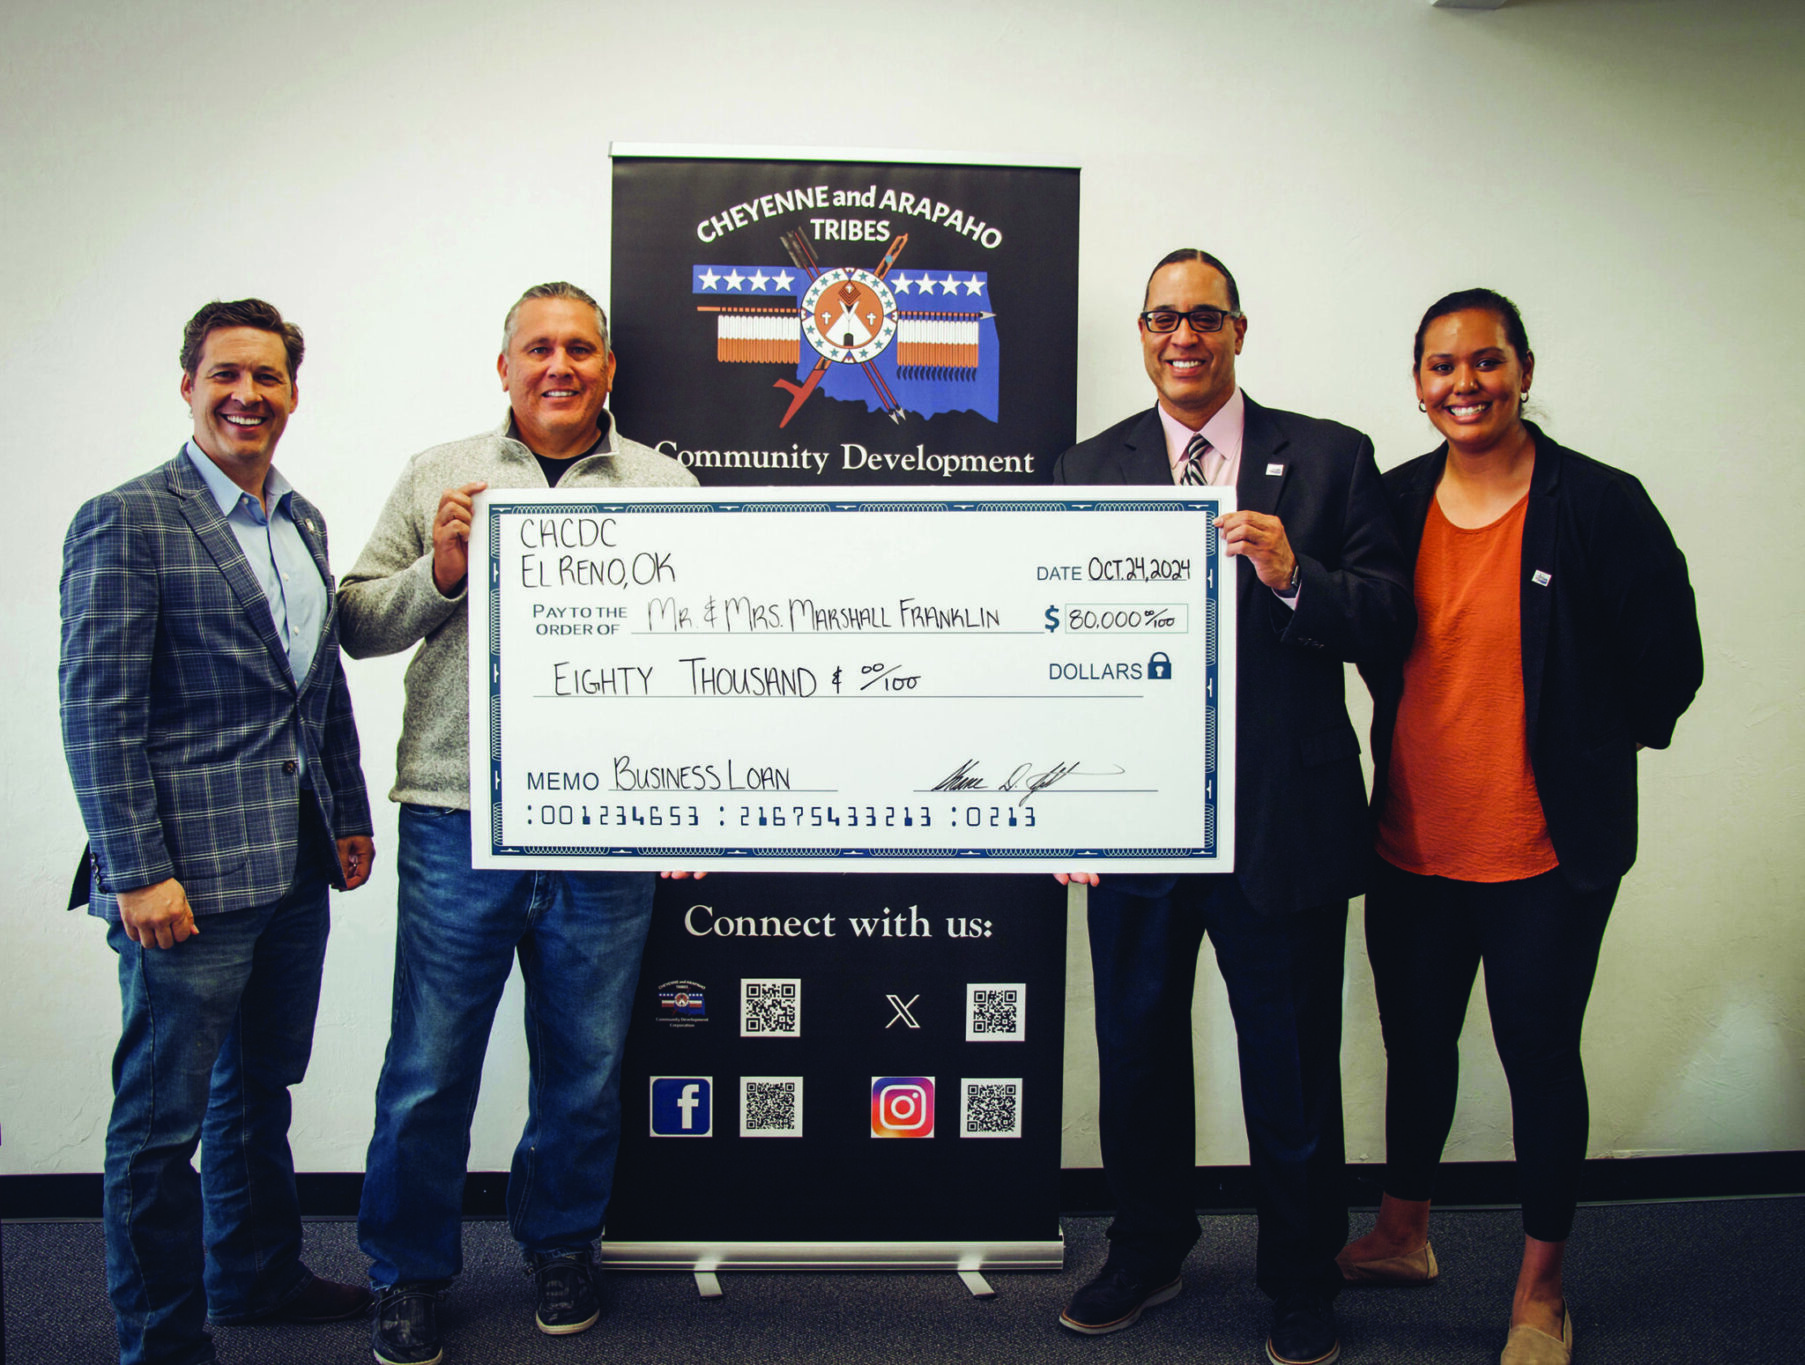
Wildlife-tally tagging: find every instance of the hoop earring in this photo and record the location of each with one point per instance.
(1523, 398)
(1421, 406)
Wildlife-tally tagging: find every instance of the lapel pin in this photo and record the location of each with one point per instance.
(308, 523)
(1274, 470)
(1541, 578)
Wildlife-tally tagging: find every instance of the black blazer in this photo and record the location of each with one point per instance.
(1611, 649)
(1302, 833)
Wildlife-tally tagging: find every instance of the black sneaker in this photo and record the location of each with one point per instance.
(1303, 1330)
(1115, 1299)
(568, 1299)
(407, 1326)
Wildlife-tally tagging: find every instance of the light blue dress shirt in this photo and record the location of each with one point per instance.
(278, 557)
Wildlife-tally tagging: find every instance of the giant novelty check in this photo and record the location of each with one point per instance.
(1014, 680)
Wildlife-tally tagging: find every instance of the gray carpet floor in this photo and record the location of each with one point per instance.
(1691, 1282)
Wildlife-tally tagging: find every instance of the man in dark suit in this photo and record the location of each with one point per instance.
(209, 734)
(1321, 581)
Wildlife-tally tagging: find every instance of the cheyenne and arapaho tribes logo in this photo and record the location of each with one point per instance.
(684, 1003)
(849, 315)
(901, 343)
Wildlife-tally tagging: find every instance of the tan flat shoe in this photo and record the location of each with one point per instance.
(1528, 1345)
(1418, 1267)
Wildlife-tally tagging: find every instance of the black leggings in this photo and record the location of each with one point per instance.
(1538, 938)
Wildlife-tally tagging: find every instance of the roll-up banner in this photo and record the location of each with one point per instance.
(845, 1070)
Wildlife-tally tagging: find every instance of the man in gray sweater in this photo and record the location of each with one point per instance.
(578, 935)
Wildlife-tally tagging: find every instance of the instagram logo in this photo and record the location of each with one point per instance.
(902, 1106)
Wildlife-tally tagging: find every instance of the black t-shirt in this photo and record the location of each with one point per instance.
(554, 468)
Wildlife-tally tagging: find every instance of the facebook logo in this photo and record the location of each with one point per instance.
(682, 1106)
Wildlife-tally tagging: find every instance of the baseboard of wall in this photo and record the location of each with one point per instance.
(1218, 1189)
(1482, 1184)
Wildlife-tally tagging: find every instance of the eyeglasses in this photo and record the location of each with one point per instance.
(1201, 319)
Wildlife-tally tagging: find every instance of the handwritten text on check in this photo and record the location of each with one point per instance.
(1013, 681)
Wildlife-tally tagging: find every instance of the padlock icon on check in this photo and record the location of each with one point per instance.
(1159, 667)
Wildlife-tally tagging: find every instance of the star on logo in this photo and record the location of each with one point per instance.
(734, 278)
(784, 280)
(709, 278)
(974, 285)
(759, 278)
(902, 283)
(949, 285)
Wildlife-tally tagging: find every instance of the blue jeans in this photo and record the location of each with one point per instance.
(579, 937)
(214, 1032)
(1283, 974)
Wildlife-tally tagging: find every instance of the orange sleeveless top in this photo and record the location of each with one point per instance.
(1461, 797)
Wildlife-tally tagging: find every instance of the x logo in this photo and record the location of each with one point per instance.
(902, 1010)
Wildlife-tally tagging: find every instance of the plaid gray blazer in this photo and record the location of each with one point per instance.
(180, 720)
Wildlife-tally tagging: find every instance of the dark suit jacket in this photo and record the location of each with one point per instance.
(180, 720)
(1302, 835)
(1611, 649)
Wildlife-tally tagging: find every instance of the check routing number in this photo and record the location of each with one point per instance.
(1012, 681)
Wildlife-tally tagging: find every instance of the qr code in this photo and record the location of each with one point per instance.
(770, 1106)
(770, 1009)
(996, 1013)
(990, 1108)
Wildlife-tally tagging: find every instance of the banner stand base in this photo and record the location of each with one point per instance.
(979, 1286)
(706, 1258)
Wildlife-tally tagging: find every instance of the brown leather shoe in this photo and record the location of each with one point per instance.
(320, 1301)
(1417, 1268)
(1528, 1345)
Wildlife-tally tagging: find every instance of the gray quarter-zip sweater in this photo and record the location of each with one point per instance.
(388, 600)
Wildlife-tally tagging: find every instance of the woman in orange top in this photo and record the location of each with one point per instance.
(1556, 636)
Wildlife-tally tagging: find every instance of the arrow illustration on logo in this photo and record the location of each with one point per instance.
(803, 256)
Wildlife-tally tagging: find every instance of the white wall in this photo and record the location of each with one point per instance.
(1629, 170)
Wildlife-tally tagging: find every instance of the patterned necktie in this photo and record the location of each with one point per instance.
(1195, 454)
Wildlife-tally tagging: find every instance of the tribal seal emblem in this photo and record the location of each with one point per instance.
(849, 315)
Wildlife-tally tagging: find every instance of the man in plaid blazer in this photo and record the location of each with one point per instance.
(209, 734)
